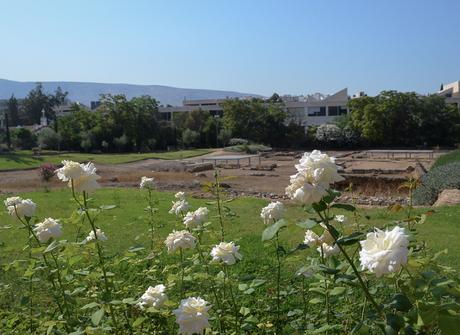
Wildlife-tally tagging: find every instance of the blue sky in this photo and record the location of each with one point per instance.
(249, 46)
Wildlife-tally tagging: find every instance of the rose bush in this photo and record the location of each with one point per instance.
(354, 278)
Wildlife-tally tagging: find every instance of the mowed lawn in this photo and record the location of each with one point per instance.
(125, 225)
(23, 159)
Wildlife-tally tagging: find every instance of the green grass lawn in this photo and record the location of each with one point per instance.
(24, 159)
(451, 157)
(126, 227)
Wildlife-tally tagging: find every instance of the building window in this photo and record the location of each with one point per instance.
(316, 111)
(333, 110)
(343, 110)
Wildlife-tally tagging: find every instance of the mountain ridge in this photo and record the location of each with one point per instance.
(85, 92)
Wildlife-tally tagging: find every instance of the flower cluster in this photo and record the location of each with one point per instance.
(196, 218)
(273, 212)
(147, 183)
(80, 177)
(192, 316)
(180, 206)
(92, 237)
(48, 229)
(180, 240)
(153, 297)
(324, 244)
(20, 208)
(384, 252)
(226, 253)
(315, 173)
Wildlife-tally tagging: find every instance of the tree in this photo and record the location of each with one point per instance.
(23, 138)
(13, 111)
(7, 131)
(404, 119)
(190, 137)
(37, 100)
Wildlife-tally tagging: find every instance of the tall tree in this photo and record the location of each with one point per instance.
(13, 111)
(7, 131)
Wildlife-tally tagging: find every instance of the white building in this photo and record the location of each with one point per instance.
(451, 92)
(307, 110)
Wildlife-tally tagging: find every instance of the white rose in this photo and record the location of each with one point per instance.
(384, 251)
(179, 207)
(49, 228)
(99, 233)
(147, 183)
(315, 172)
(21, 208)
(327, 250)
(273, 212)
(196, 218)
(302, 191)
(153, 297)
(192, 316)
(320, 166)
(226, 253)
(12, 201)
(180, 240)
(69, 170)
(180, 195)
(87, 181)
(340, 218)
(311, 239)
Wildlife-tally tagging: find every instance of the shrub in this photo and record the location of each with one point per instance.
(47, 171)
(238, 141)
(23, 138)
(48, 139)
(224, 136)
(190, 137)
(435, 181)
(451, 157)
(248, 148)
(332, 135)
(120, 142)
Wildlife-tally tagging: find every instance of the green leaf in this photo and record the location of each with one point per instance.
(400, 302)
(449, 324)
(319, 206)
(107, 207)
(53, 245)
(346, 207)
(394, 324)
(306, 224)
(97, 316)
(328, 270)
(138, 321)
(258, 282)
(339, 290)
(272, 230)
(244, 311)
(350, 239)
(90, 305)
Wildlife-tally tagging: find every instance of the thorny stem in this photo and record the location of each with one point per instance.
(355, 270)
(99, 250)
(304, 301)
(326, 288)
(219, 204)
(278, 284)
(152, 228)
(32, 235)
(232, 297)
(181, 273)
(213, 288)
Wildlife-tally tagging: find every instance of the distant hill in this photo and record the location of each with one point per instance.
(85, 92)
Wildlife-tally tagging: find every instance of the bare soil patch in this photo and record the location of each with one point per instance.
(372, 179)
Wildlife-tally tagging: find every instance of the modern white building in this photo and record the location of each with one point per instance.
(306, 111)
(451, 92)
